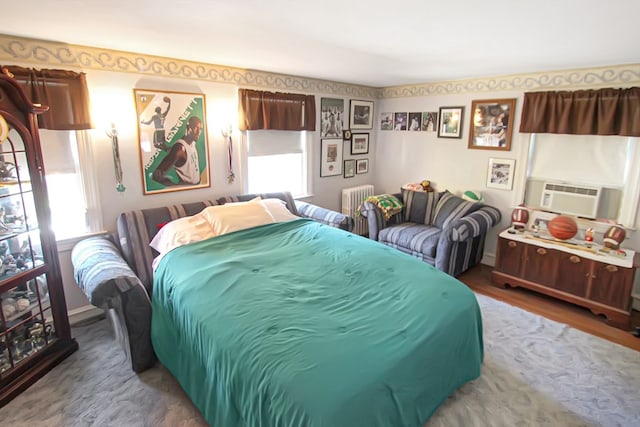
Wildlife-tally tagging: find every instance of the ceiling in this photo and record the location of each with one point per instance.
(373, 43)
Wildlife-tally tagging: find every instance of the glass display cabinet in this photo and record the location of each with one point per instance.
(34, 326)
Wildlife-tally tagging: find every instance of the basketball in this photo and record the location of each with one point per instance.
(166, 99)
(563, 227)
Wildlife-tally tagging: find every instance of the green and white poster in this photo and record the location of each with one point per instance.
(172, 137)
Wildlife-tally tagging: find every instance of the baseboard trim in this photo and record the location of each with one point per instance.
(84, 313)
(636, 302)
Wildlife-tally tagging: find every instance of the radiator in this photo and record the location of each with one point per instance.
(352, 198)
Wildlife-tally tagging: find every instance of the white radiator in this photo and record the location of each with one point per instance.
(352, 198)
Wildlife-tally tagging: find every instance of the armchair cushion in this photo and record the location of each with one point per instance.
(451, 207)
(415, 239)
(419, 206)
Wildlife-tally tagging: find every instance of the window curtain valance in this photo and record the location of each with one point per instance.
(278, 111)
(583, 112)
(64, 92)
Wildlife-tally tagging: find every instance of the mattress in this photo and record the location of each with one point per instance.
(301, 324)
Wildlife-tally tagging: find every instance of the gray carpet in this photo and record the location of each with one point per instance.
(536, 373)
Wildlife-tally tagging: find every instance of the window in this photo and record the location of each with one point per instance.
(72, 192)
(277, 161)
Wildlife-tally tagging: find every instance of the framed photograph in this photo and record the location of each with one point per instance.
(386, 121)
(399, 121)
(362, 165)
(172, 140)
(450, 125)
(500, 173)
(429, 121)
(361, 115)
(491, 126)
(331, 116)
(346, 135)
(349, 168)
(415, 121)
(360, 143)
(331, 157)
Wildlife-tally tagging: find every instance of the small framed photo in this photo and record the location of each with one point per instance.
(415, 121)
(331, 157)
(360, 143)
(346, 135)
(386, 121)
(450, 125)
(349, 168)
(399, 121)
(491, 126)
(500, 173)
(429, 121)
(362, 165)
(361, 114)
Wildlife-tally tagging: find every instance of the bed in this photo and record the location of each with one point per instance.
(292, 322)
(301, 324)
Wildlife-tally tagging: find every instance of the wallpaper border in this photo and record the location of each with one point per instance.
(52, 53)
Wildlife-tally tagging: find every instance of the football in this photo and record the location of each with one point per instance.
(562, 227)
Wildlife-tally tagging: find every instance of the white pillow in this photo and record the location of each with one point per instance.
(278, 210)
(237, 216)
(180, 232)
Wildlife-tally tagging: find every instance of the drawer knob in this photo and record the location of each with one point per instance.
(512, 244)
(541, 251)
(574, 259)
(611, 268)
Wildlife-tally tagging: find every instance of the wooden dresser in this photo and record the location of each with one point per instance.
(590, 277)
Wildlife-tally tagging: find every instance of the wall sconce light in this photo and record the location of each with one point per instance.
(116, 157)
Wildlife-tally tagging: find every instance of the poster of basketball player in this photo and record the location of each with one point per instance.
(172, 137)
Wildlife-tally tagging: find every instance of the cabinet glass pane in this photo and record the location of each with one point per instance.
(13, 143)
(26, 321)
(19, 252)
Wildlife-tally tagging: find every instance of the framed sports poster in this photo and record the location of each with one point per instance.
(172, 140)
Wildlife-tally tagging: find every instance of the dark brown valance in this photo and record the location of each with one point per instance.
(277, 111)
(583, 112)
(64, 92)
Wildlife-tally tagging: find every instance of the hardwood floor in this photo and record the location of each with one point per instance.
(479, 280)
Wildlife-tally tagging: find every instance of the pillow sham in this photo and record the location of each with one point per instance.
(180, 232)
(237, 216)
(278, 210)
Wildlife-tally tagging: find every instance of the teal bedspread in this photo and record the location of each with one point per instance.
(301, 324)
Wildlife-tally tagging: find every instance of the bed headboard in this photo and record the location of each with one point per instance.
(137, 228)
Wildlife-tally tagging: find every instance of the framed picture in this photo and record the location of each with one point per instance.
(362, 165)
(399, 121)
(415, 121)
(491, 126)
(450, 125)
(361, 115)
(360, 143)
(500, 173)
(172, 140)
(332, 113)
(429, 121)
(346, 135)
(386, 121)
(331, 157)
(349, 168)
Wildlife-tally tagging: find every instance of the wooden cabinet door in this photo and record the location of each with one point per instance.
(509, 257)
(540, 265)
(573, 274)
(612, 285)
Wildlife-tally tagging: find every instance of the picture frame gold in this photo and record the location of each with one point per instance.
(491, 124)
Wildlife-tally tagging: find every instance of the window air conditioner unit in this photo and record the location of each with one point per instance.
(571, 199)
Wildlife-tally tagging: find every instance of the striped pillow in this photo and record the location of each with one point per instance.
(419, 206)
(451, 207)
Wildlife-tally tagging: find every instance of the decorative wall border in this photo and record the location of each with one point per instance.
(84, 57)
(616, 75)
